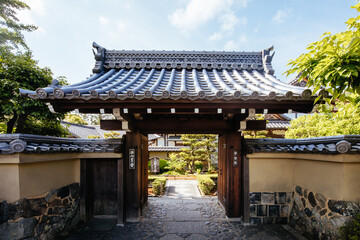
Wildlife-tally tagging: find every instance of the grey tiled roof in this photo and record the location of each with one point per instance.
(326, 145)
(83, 131)
(153, 136)
(165, 148)
(177, 75)
(278, 125)
(79, 130)
(26, 143)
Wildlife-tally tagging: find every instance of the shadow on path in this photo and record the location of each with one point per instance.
(181, 214)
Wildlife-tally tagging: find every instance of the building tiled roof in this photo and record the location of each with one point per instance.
(165, 148)
(326, 145)
(278, 125)
(27, 143)
(79, 130)
(175, 75)
(153, 136)
(83, 131)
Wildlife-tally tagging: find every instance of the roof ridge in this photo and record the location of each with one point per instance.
(109, 59)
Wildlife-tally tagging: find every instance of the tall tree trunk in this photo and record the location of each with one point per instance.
(21, 123)
(11, 123)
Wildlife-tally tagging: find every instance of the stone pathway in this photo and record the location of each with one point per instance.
(182, 189)
(181, 214)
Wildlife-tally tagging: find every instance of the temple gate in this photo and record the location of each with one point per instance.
(174, 92)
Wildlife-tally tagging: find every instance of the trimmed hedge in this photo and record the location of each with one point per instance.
(158, 185)
(206, 183)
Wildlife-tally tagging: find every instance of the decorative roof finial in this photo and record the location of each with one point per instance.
(99, 57)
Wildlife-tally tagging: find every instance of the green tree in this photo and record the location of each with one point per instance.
(176, 164)
(75, 118)
(333, 63)
(21, 114)
(344, 121)
(10, 27)
(202, 147)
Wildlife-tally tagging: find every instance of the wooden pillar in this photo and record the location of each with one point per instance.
(230, 174)
(86, 204)
(135, 168)
(245, 188)
(120, 193)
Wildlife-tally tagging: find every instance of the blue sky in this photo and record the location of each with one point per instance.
(68, 28)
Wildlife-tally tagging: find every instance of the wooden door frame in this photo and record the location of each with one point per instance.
(86, 189)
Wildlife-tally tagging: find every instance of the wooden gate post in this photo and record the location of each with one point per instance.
(230, 177)
(121, 212)
(135, 168)
(245, 184)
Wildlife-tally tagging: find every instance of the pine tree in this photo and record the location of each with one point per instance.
(201, 147)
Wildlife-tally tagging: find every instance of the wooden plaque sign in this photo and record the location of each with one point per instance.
(131, 158)
(155, 165)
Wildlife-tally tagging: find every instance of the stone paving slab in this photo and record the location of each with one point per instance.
(166, 218)
(183, 215)
(185, 227)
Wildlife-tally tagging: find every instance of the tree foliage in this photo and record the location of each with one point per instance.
(202, 147)
(75, 118)
(344, 121)
(20, 114)
(176, 164)
(333, 63)
(10, 27)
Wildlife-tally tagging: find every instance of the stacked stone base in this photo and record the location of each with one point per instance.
(312, 214)
(50, 216)
(269, 207)
(318, 217)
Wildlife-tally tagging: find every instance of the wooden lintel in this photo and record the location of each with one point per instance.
(255, 125)
(174, 126)
(116, 125)
(93, 106)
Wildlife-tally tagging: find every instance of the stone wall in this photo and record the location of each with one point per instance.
(317, 216)
(269, 207)
(48, 216)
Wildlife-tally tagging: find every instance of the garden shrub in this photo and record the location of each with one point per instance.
(163, 164)
(158, 186)
(198, 165)
(206, 184)
(172, 173)
(351, 231)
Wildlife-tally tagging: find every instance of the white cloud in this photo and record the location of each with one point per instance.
(229, 21)
(232, 45)
(197, 12)
(216, 36)
(37, 6)
(121, 25)
(104, 21)
(243, 3)
(281, 15)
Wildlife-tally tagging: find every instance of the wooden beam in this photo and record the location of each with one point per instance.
(174, 126)
(93, 105)
(116, 125)
(183, 126)
(255, 125)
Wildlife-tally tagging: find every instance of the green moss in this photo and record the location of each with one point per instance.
(351, 230)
